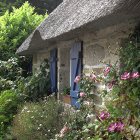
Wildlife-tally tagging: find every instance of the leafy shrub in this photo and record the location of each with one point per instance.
(37, 85)
(15, 27)
(9, 73)
(39, 121)
(8, 108)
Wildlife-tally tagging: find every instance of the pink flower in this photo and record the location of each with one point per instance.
(106, 71)
(82, 94)
(77, 79)
(117, 126)
(93, 76)
(120, 126)
(125, 76)
(112, 127)
(135, 75)
(110, 85)
(63, 131)
(104, 115)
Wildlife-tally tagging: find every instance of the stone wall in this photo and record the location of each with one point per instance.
(63, 63)
(38, 59)
(63, 68)
(100, 46)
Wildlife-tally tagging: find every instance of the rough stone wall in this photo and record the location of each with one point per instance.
(64, 64)
(38, 59)
(102, 47)
(97, 46)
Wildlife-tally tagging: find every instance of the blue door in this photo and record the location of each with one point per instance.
(53, 70)
(75, 58)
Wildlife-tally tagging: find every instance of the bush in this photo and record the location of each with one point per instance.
(9, 73)
(38, 85)
(118, 117)
(8, 108)
(15, 27)
(39, 121)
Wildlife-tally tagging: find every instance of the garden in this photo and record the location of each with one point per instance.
(29, 112)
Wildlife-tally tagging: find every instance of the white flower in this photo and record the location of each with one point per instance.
(40, 124)
(77, 111)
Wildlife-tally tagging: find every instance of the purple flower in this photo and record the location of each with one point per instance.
(125, 76)
(104, 115)
(111, 84)
(112, 127)
(116, 127)
(120, 126)
(135, 75)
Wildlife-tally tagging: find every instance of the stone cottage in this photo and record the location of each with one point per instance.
(79, 34)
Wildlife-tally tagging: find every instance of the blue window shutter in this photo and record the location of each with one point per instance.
(53, 70)
(75, 56)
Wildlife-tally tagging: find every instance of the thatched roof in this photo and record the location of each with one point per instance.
(73, 17)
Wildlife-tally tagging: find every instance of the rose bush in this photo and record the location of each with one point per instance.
(119, 118)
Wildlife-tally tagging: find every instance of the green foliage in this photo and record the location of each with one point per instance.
(8, 108)
(8, 4)
(15, 27)
(30, 88)
(10, 72)
(38, 85)
(125, 101)
(130, 52)
(9, 69)
(66, 91)
(40, 6)
(87, 85)
(75, 125)
(40, 120)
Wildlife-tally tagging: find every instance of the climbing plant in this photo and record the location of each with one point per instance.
(119, 118)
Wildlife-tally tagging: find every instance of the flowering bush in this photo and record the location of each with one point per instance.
(30, 88)
(40, 120)
(104, 115)
(119, 118)
(9, 73)
(86, 84)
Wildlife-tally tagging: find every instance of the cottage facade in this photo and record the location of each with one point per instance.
(78, 36)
